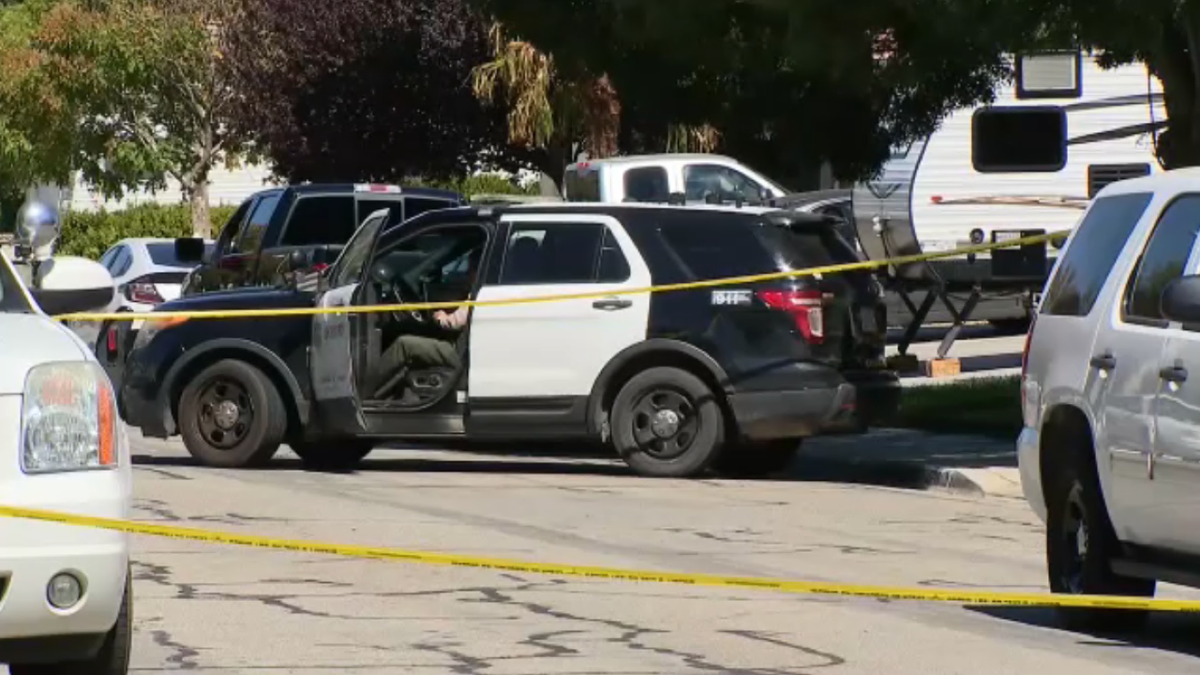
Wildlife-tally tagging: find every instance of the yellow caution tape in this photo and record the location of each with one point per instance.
(591, 295)
(612, 573)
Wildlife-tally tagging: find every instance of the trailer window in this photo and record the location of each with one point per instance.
(1019, 139)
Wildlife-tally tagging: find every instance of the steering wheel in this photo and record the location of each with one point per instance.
(409, 291)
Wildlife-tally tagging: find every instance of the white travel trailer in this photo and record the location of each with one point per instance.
(1027, 163)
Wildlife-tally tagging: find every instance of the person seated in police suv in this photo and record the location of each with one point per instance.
(414, 352)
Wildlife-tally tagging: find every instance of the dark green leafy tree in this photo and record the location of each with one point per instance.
(365, 89)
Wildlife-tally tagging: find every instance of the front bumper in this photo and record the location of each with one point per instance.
(32, 552)
(1029, 464)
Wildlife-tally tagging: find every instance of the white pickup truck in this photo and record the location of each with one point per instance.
(655, 178)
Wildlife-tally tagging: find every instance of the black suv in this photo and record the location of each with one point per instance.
(728, 377)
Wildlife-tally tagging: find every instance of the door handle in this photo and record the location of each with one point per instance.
(610, 304)
(1176, 374)
(1104, 362)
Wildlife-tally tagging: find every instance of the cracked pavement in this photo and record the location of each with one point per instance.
(222, 609)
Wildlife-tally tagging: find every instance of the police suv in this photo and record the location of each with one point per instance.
(729, 377)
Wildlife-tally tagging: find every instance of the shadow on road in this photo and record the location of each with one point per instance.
(890, 458)
(1165, 631)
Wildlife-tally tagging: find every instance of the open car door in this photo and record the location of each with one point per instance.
(336, 337)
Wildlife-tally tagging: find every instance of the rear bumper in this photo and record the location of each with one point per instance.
(850, 406)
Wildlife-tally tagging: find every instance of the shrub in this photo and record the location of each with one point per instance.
(482, 184)
(90, 234)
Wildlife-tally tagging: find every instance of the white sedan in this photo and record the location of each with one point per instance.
(65, 591)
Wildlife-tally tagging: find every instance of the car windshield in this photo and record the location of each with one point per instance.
(12, 300)
(163, 254)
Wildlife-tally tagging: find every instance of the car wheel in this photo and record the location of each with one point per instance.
(332, 455)
(1080, 547)
(231, 415)
(667, 423)
(113, 657)
(757, 460)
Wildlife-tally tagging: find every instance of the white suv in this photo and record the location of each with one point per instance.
(65, 599)
(1110, 453)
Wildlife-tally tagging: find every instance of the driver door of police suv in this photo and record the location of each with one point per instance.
(335, 336)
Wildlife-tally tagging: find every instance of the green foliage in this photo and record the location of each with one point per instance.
(143, 84)
(988, 406)
(481, 184)
(90, 234)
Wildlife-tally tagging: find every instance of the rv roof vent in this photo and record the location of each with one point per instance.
(1102, 175)
(1049, 75)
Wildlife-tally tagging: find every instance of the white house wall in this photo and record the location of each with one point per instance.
(226, 188)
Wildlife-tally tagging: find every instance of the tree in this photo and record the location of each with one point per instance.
(365, 89)
(148, 81)
(786, 83)
(549, 114)
(37, 126)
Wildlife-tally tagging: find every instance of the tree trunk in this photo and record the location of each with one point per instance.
(10, 202)
(198, 198)
(1177, 66)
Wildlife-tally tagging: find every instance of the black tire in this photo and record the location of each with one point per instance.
(757, 460)
(259, 423)
(113, 657)
(687, 441)
(332, 455)
(1080, 547)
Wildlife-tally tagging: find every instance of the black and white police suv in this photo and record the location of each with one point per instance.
(727, 378)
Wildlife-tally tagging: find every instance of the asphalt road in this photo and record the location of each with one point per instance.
(221, 609)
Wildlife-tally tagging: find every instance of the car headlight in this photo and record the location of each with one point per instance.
(152, 327)
(68, 419)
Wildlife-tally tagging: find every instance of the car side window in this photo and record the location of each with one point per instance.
(256, 225)
(1163, 260)
(109, 256)
(562, 253)
(647, 184)
(349, 267)
(1081, 273)
(321, 220)
(704, 180)
(122, 261)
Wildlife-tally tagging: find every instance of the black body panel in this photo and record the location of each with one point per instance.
(266, 263)
(154, 374)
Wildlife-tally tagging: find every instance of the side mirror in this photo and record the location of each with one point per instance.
(189, 250)
(68, 284)
(1181, 300)
(382, 272)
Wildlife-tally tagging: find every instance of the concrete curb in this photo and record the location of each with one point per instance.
(984, 482)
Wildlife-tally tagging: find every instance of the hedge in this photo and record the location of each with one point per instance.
(90, 234)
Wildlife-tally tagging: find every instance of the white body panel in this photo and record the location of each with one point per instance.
(941, 165)
(552, 349)
(946, 171)
(32, 552)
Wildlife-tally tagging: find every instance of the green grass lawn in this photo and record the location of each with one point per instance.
(986, 406)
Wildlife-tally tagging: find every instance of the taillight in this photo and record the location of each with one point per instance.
(1025, 350)
(806, 309)
(112, 341)
(143, 291)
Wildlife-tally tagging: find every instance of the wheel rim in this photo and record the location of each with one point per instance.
(665, 423)
(226, 414)
(1074, 541)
